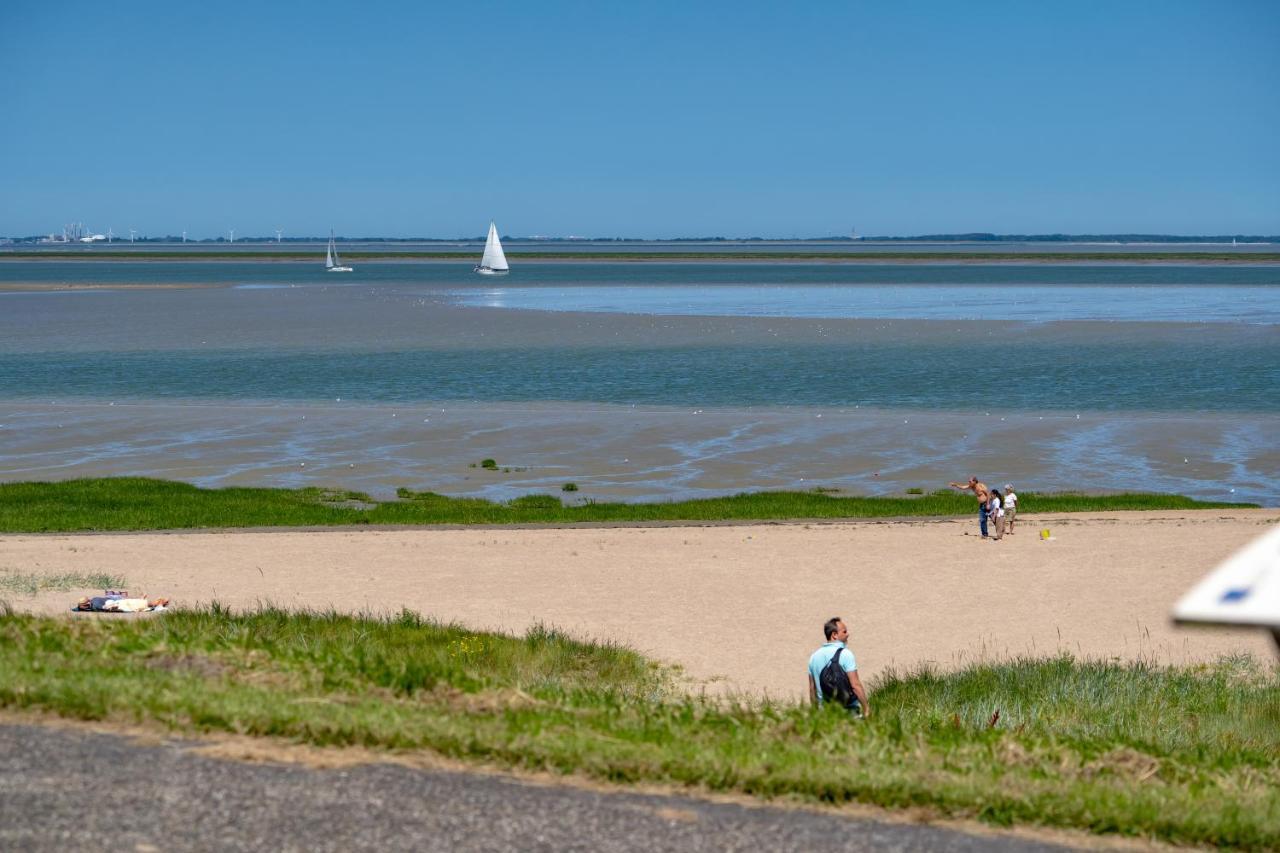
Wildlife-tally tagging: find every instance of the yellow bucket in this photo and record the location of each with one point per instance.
(1044, 534)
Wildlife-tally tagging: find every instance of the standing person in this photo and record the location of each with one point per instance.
(1010, 507)
(979, 490)
(837, 634)
(996, 512)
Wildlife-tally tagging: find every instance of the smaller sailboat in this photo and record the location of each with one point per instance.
(332, 262)
(494, 262)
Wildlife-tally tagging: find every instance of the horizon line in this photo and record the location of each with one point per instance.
(963, 236)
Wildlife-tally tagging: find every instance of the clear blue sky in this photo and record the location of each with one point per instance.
(645, 119)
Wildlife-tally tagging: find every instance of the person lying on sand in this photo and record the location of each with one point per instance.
(103, 604)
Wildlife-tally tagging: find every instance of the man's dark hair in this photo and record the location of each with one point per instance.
(831, 626)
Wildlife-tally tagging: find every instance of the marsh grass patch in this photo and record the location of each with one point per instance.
(536, 502)
(126, 503)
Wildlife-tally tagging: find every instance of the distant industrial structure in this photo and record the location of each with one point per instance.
(75, 232)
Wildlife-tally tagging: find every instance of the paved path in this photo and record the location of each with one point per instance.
(64, 789)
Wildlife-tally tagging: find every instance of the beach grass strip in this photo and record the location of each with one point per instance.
(134, 503)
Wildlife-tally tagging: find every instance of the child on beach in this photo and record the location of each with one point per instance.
(995, 512)
(1010, 507)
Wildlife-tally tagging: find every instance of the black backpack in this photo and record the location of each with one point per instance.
(833, 681)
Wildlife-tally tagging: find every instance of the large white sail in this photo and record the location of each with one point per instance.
(493, 259)
(328, 255)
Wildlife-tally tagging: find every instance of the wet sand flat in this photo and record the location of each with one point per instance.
(638, 453)
(739, 606)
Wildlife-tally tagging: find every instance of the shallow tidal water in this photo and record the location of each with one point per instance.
(723, 377)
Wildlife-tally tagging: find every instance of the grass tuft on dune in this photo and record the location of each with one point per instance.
(1185, 755)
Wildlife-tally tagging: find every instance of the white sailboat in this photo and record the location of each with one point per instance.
(494, 262)
(332, 262)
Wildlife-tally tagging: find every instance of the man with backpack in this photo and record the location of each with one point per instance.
(833, 672)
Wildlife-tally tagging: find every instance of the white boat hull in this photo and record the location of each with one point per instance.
(341, 269)
(487, 271)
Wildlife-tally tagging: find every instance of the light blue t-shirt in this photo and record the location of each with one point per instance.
(819, 659)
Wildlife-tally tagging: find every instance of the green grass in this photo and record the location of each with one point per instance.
(1190, 756)
(12, 580)
(309, 256)
(129, 503)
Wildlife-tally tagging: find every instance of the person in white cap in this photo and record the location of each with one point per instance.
(1010, 507)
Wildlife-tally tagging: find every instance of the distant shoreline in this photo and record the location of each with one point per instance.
(42, 286)
(1255, 259)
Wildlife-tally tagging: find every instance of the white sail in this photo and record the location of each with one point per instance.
(493, 259)
(332, 261)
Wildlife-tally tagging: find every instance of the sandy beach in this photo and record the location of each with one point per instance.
(738, 606)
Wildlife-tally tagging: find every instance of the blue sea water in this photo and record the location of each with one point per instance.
(654, 273)
(1176, 338)
(1169, 377)
(723, 376)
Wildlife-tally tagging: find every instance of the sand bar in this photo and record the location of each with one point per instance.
(739, 606)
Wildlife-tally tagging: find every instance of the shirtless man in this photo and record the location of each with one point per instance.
(983, 494)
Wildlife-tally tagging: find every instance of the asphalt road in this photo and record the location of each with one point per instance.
(64, 789)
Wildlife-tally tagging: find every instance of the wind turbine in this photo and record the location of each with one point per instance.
(109, 235)
(233, 234)
(278, 233)
(131, 233)
(184, 235)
